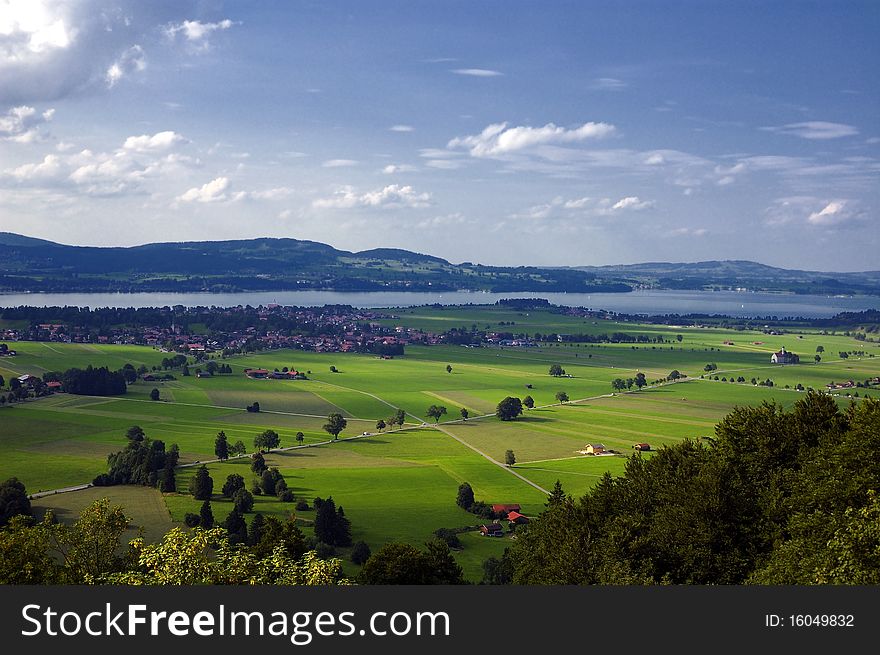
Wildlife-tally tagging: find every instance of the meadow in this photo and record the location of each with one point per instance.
(401, 485)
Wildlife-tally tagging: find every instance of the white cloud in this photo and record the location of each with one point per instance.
(632, 203)
(443, 222)
(124, 170)
(213, 191)
(834, 212)
(197, 33)
(402, 128)
(339, 163)
(49, 168)
(21, 124)
(33, 27)
(689, 232)
(132, 60)
(159, 142)
(498, 140)
(392, 195)
(476, 72)
(390, 169)
(815, 130)
(815, 212)
(444, 164)
(577, 203)
(654, 159)
(608, 84)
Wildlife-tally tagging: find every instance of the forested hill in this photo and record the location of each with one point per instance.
(262, 265)
(28, 264)
(743, 274)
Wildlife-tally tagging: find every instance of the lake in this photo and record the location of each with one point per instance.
(731, 303)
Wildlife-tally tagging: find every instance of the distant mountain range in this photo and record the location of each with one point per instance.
(28, 264)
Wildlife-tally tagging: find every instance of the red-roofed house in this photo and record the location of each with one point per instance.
(516, 517)
(503, 509)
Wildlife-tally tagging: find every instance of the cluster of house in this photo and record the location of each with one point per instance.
(510, 513)
(265, 374)
(850, 384)
(328, 330)
(30, 381)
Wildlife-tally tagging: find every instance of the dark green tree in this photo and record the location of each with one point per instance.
(360, 553)
(233, 483)
(509, 458)
(258, 464)
(528, 401)
(435, 412)
(206, 516)
(255, 531)
(268, 439)
(14, 500)
(154, 394)
(221, 446)
(201, 485)
(335, 424)
(135, 433)
(243, 500)
(509, 408)
(465, 498)
(236, 526)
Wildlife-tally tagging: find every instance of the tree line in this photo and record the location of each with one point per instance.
(776, 497)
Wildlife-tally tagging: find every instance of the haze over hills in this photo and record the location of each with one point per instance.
(262, 264)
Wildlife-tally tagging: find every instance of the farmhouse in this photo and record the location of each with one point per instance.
(784, 357)
(28, 380)
(492, 530)
(256, 373)
(594, 449)
(516, 517)
(642, 446)
(499, 508)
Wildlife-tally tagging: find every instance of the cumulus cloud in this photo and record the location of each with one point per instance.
(50, 49)
(815, 130)
(392, 195)
(123, 170)
(815, 212)
(131, 61)
(834, 212)
(339, 163)
(631, 203)
(561, 209)
(213, 191)
(577, 203)
(21, 124)
(159, 142)
(498, 139)
(476, 72)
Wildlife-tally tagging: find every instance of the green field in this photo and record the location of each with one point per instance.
(401, 485)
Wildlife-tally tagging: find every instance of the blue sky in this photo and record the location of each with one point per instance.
(564, 133)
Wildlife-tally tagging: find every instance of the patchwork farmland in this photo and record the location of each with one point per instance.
(400, 484)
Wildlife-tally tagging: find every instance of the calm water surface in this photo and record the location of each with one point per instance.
(731, 303)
